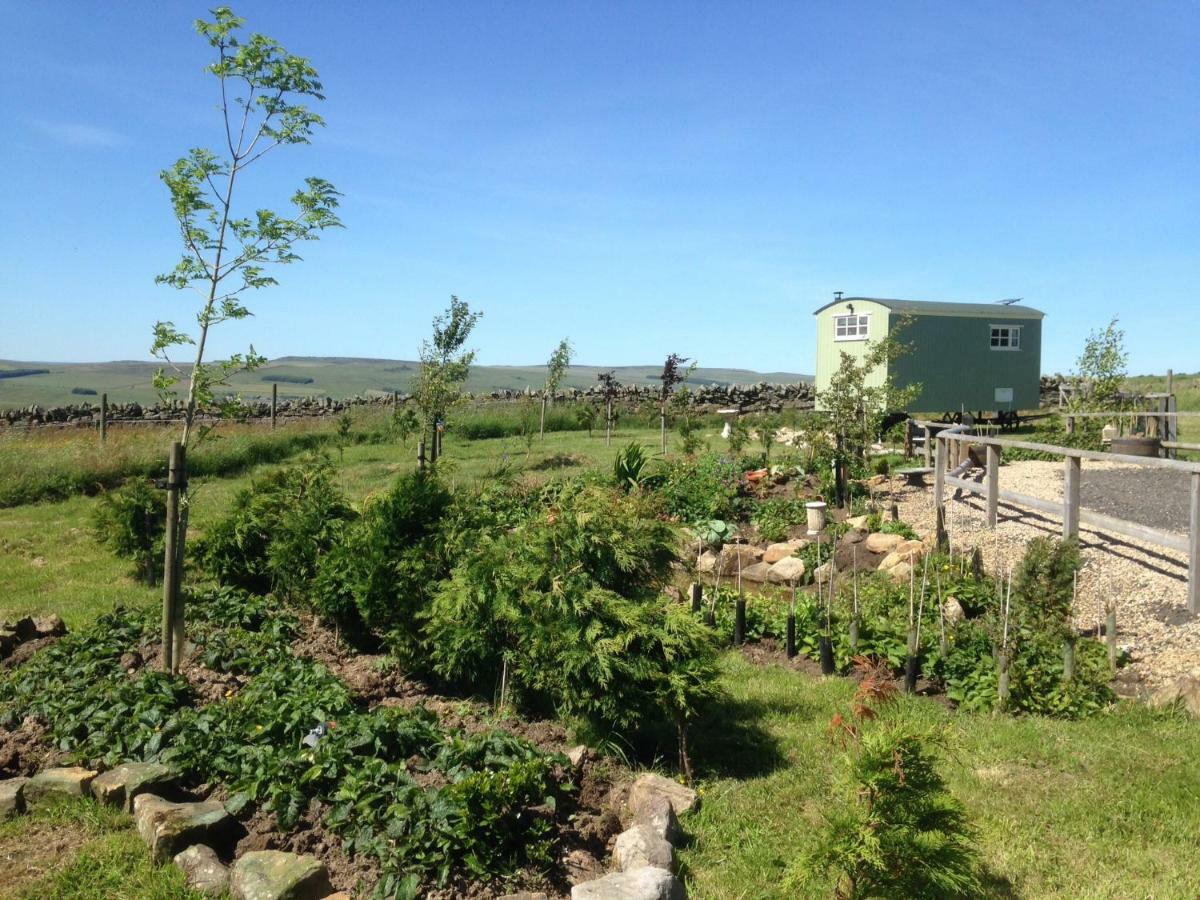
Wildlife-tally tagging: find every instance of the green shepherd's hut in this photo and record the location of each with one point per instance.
(965, 356)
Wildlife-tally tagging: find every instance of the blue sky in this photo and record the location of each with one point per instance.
(644, 177)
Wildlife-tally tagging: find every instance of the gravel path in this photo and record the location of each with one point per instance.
(1148, 584)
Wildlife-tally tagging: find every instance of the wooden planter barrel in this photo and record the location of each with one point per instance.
(1137, 446)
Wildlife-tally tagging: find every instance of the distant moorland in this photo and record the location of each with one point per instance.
(57, 384)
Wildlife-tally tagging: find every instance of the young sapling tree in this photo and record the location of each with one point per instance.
(609, 386)
(445, 366)
(263, 95)
(556, 368)
(670, 377)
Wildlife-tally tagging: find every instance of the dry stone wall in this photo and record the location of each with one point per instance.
(748, 398)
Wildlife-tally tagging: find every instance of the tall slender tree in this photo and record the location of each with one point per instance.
(263, 95)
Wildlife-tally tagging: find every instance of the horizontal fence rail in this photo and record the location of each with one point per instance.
(952, 453)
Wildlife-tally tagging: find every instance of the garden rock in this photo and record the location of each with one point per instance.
(823, 572)
(25, 629)
(648, 786)
(952, 611)
(900, 571)
(707, 562)
(71, 781)
(1184, 690)
(731, 554)
(169, 828)
(646, 883)
(878, 542)
(12, 799)
(858, 523)
(50, 626)
(523, 895)
(275, 875)
(757, 572)
(119, 786)
(578, 755)
(658, 815)
(205, 873)
(639, 846)
(8, 642)
(786, 571)
(775, 552)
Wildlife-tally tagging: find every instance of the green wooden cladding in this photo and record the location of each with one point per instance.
(951, 357)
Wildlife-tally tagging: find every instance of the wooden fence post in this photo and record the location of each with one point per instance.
(928, 446)
(103, 418)
(175, 470)
(939, 488)
(421, 455)
(1072, 473)
(993, 485)
(1194, 548)
(274, 402)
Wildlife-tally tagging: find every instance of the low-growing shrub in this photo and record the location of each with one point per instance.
(277, 531)
(131, 521)
(703, 488)
(565, 613)
(379, 575)
(894, 829)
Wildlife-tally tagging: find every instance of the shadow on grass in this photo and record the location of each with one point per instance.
(731, 742)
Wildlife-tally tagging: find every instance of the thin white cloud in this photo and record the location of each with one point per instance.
(77, 134)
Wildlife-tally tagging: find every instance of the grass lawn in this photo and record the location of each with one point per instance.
(1107, 807)
(83, 851)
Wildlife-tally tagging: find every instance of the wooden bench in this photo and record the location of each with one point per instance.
(915, 477)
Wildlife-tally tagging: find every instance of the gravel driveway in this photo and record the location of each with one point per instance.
(1154, 497)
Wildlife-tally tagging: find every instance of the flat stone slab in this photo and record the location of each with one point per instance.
(641, 846)
(646, 883)
(170, 828)
(275, 875)
(204, 871)
(119, 786)
(12, 797)
(649, 785)
(70, 781)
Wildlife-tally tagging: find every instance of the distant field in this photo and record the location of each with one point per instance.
(317, 377)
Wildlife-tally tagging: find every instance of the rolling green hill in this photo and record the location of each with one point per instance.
(299, 376)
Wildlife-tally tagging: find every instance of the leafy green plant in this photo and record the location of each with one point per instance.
(714, 532)
(277, 530)
(586, 415)
(405, 423)
(131, 522)
(696, 490)
(631, 467)
(773, 519)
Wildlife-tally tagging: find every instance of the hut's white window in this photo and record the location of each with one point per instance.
(851, 328)
(1006, 337)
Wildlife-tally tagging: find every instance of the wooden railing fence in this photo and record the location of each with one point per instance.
(952, 448)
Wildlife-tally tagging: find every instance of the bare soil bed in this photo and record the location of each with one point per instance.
(1147, 583)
